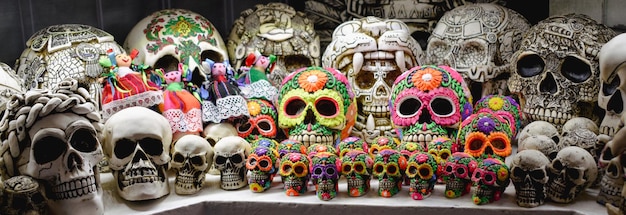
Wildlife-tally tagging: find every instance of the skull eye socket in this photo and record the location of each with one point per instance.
(151, 146)
(391, 76)
(409, 107)
(449, 169)
(124, 147)
(264, 163)
(220, 160)
(489, 178)
(444, 155)
(285, 169)
(425, 172)
(437, 49)
(197, 160)
(476, 144)
(293, 62)
(498, 144)
(265, 125)
(472, 53)
(572, 173)
(379, 168)
(48, 149)
(330, 171)
(244, 127)
(610, 88)
(411, 170)
(84, 140)
(294, 107)
(392, 169)
(346, 168)
(300, 170)
(326, 107)
(359, 168)
(575, 69)
(236, 158)
(518, 172)
(537, 174)
(442, 107)
(167, 63)
(556, 165)
(530, 65)
(365, 79)
(318, 171)
(461, 170)
(178, 158)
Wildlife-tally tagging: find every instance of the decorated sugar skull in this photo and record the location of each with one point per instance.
(192, 156)
(53, 136)
(491, 179)
(409, 148)
(555, 70)
(290, 146)
(138, 152)
(318, 148)
(429, 102)
(294, 171)
(58, 52)
(356, 166)
(441, 149)
(372, 52)
(316, 105)
(230, 158)
(22, 195)
(325, 173)
(263, 166)
(420, 170)
(10, 84)
(485, 135)
(389, 167)
(351, 143)
(612, 92)
(503, 106)
(570, 173)
(541, 143)
(381, 143)
(262, 121)
(171, 36)
(275, 29)
(264, 142)
(529, 176)
(457, 174)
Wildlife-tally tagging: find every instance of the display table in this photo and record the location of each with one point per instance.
(213, 200)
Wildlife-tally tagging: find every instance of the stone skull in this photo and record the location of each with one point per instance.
(9, 84)
(570, 173)
(192, 156)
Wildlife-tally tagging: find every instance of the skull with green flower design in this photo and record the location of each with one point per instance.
(351, 143)
(316, 105)
(504, 106)
(429, 102)
(485, 135)
(441, 149)
(356, 166)
(294, 171)
(325, 174)
(457, 174)
(389, 167)
(491, 179)
(380, 143)
(263, 167)
(421, 170)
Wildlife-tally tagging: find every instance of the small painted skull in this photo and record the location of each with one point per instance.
(324, 169)
(380, 143)
(351, 143)
(441, 149)
(491, 179)
(485, 135)
(421, 170)
(529, 176)
(389, 167)
(356, 166)
(263, 166)
(294, 171)
(262, 121)
(458, 173)
(289, 146)
(503, 106)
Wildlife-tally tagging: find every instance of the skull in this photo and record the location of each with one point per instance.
(324, 169)
(290, 146)
(570, 173)
(192, 156)
(389, 167)
(555, 69)
(21, 195)
(275, 29)
(356, 166)
(316, 105)
(58, 52)
(264, 142)
(294, 171)
(351, 143)
(429, 102)
(478, 40)
(372, 52)
(421, 171)
(317, 148)
(612, 183)
(503, 106)
(54, 137)
(262, 164)
(542, 143)
(612, 93)
(139, 152)
(380, 143)
(409, 148)
(580, 122)
(529, 176)
(582, 138)
(491, 179)
(485, 135)
(171, 36)
(262, 121)
(539, 128)
(441, 149)
(457, 174)
(214, 132)
(10, 84)
(230, 158)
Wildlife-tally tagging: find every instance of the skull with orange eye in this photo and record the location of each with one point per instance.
(263, 167)
(457, 174)
(262, 122)
(421, 173)
(491, 179)
(380, 143)
(356, 166)
(294, 171)
(351, 143)
(485, 135)
(441, 149)
(389, 167)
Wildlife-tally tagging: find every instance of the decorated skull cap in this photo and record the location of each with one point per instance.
(504, 106)
(485, 134)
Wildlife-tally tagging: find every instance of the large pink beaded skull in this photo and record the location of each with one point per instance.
(428, 102)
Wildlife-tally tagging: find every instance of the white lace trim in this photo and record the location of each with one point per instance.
(183, 122)
(261, 89)
(145, 99)
(224, 108)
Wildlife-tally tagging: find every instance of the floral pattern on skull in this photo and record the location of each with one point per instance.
(381, 143)
(485, 135)
(290, 146)
(441, 149)
(262, 166)
(389, 167)
(491, 179)
(294, 171)
(503, 106)
(421, 171)
(356, 166)
(458, 173)
(351, 143)
(262, 122)
(324, 169)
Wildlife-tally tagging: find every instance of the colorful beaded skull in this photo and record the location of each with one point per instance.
(351, 143)
(318, 148)
(262, 121)
(289, 146)
(389, 167)
(503, 106)
(380, 143)
(294, 171)
(324, 169)
(441, 149)
(485, 135)
(264, 142)
(457, 174)
(491, 179)
(421, 171)
(356, 166)
(409, 148)
(316, 105)
(429, 102)
(262, 166)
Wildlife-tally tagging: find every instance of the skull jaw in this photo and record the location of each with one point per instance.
(388, 187)
(188, 183)
(233, 179)
(144, 188)
(561, 191)
(456, 187)
(259, 181)
(610, 124)
(357, 187)
(326, 189)
(529, 195)
(610, 191)
(62, 197)
(485, 194)
(420, 189)
(89, 204)
(295, 186)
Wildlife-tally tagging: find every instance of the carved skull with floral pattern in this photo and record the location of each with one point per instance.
(485, 135)
(491, 179)
(429, 102)
(356, 166)
(262, 121)
(421, 172)
(289, 146)
(316, 105)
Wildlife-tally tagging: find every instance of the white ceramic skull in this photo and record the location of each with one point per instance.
(65, 51)
(555, 69)
(372, 52)
(529, 176)
(171, 36)
(213, 132)
(582, 138)
(230, 158)
(275, 29)
(478, 41)
(570, 173)
(612, 93)
(192, 156)
(9, 84)
(612, 183)
(541, 143)
(580, 122)
(138, 152)
(53, 137)
(539, 128)
(22, 195)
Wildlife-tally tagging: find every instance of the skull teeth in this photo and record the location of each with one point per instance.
(378, 111)
(292, 183)
(422, 138)
(558, 191)
(610, 191)
(258, 177)
(551, 116)
(484, 191)
(355, 183)
(455, 184)
(310, 139)
(419, 187)
(75, 188)
(385, 184)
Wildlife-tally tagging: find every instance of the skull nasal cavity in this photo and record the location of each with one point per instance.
(548, 84)
(139, 155)
(616, 103)
(310, 117)
(74, 161)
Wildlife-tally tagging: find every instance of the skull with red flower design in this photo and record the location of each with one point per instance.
(457, 174)
(485, 135)
(324, 168)
(491, 179)
(421, 172)
(356, 166)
